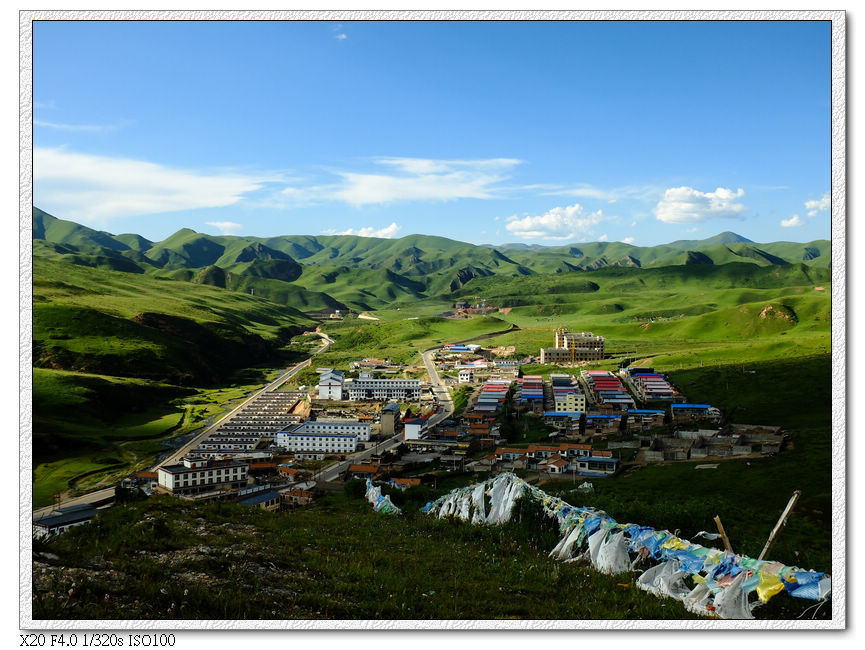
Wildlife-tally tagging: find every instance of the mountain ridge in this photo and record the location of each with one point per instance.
(322, 272)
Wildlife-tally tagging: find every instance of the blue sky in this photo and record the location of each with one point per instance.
(487, 132)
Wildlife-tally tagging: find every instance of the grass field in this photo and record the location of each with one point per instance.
(324, 562)
(400, 341)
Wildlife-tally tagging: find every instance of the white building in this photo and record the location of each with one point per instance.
(194, 475)
(62, 519)
(379, 390)
(330, 384)
(316, 443)
(415, 429)
(335, 426)
(466, 376)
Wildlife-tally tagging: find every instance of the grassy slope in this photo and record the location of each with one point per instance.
(101, 385)
(326, 561)
(401, 341)
(125, 295)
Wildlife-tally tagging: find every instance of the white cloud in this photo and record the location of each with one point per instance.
(818, 205)
(388, 232)
(792, 222)
(92, 128)
(633, 223)
(604, 237)
(584, 190)
(687, 205)
(225, 227)
(559, 223)
(340, 37)
(628, 240)
(423, 179)
(96, 189)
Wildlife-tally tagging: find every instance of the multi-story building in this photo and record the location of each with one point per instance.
(316, 443)
(334, 426)
(330, 384)
(389, 418)
(571, 347)
(416, 429)
(378, 390)
(194, 475)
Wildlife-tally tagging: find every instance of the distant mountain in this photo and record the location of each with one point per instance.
(314, 273)
(722, 238)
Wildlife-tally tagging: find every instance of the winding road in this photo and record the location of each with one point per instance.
(446, 408)
(106, 495)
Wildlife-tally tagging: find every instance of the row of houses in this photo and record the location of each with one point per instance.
(275, 499)
(590, 423)
(707, 443)
(565, 394)
(262, 417)
(650, 385)
(607, 390)
(579, 459)
(492, 396)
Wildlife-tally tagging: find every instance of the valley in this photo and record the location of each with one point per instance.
(139, 347)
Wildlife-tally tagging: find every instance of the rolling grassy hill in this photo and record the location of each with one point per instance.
(329, 272)
(113, 351)
(111, 312)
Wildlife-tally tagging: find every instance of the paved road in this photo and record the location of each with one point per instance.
(106, 494)
(446, 405)
(446, 408)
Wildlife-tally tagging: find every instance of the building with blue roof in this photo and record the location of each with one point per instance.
(269, 500)
(62, 519)
(691, 412)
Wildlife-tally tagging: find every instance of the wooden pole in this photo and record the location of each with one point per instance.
(723, 534)
(779, 525)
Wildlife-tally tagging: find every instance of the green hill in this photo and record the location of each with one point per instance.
(59, 231)
(315, 273)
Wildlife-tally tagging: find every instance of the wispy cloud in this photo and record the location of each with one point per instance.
(793, 222)
(388, 232)
(817, 205)
(341, 37)
(687, 205)
(91, 128)
(560, 223)
(96, 189)
(628, 240)
(412, 179)
(422, 179)
(225, 227)
(610, 195)
(49, 104)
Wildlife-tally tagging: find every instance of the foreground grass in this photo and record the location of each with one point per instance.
(174, 560)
